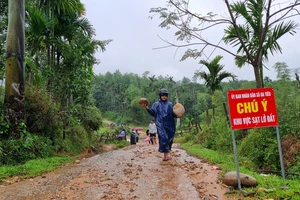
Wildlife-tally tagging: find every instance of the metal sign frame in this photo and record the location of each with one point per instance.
(253, 108)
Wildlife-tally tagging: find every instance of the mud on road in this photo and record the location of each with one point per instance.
(134, 172)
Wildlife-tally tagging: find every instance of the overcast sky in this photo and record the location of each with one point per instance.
(135, 36)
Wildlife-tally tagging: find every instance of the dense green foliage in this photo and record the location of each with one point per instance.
(60, 112)
(257, 145)
(117, 95)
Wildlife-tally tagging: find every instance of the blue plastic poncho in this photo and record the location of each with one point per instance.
(162, 111)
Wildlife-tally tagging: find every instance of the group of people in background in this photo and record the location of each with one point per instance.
(134, 137)
(151, 134)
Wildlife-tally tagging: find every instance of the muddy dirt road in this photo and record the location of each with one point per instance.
(134, 172)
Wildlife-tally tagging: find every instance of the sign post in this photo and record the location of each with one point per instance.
(253, 108)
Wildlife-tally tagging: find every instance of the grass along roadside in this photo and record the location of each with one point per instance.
(269, 187)
(38, 167)
(33, 168)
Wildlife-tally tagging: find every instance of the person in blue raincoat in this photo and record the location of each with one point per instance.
(162, 111)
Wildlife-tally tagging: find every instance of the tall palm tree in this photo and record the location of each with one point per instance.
(49, 16)
(214, 77)
(258, 35)
(57, 32)
(15, 66)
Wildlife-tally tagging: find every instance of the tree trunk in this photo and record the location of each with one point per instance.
(15, 67)
(213, 104)
(257, 76)
(207, 117)
(226, 113)
(198, 127)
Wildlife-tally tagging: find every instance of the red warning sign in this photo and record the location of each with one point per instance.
(252, 108)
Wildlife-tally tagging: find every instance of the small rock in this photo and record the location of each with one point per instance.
(213, 196)
(77, 161)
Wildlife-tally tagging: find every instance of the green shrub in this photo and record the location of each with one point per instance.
(37, 136)
(4, 127)
(103, 130)
(260, 146)
(217, 136)
(88, 116)
(43, 114)
(17, 151)
(203, 137)
(111, 115)
(294, 170)
(2, 95)
(186, 137)
(221, 134)
(76, 139)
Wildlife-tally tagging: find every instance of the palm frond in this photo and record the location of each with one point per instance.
(239, 8)
(232, 38)
(277, 32)
(240, 61)
(85, 25)
(213, 79)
